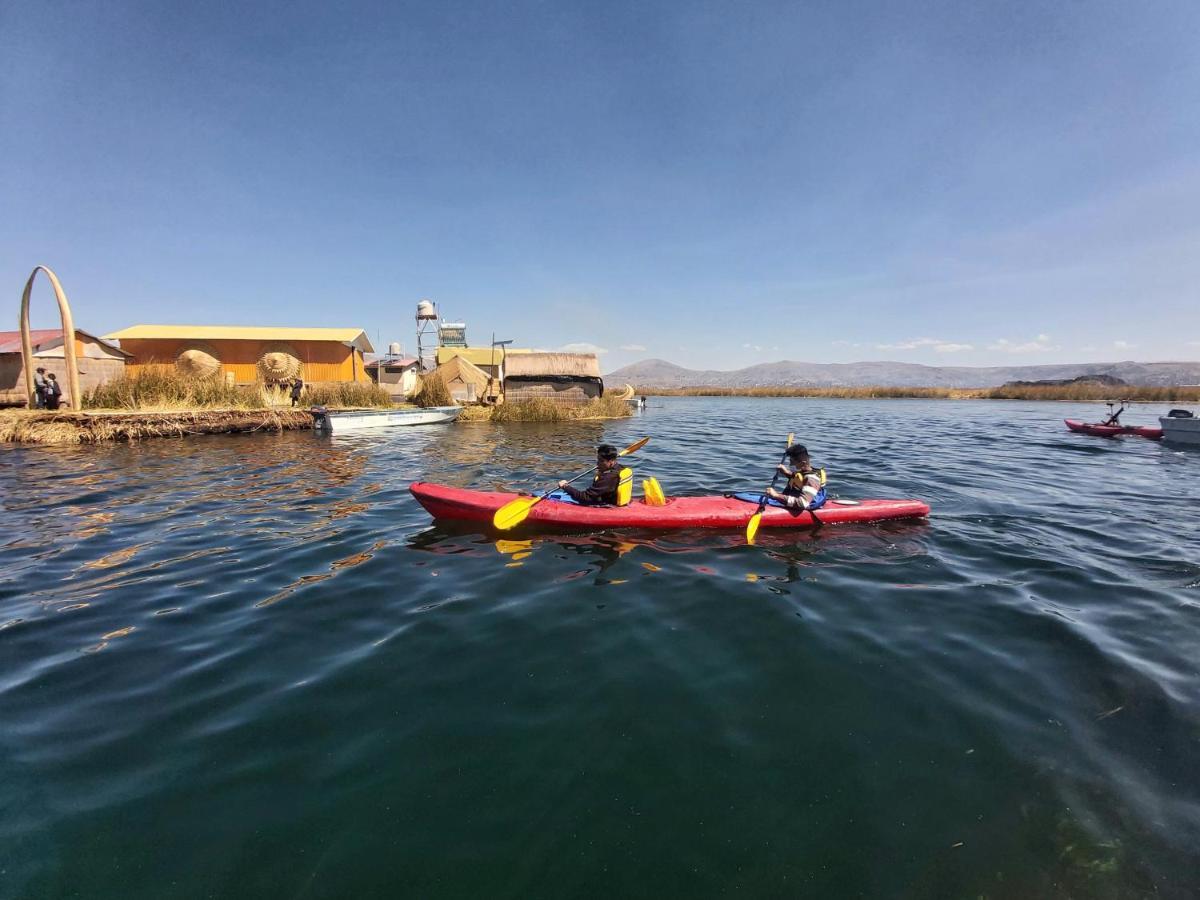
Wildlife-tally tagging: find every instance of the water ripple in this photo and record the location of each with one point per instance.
(251, 665)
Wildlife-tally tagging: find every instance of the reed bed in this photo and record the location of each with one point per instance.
(1095, 393)
(346, 395)
(38, 427)
(847, 393)
(433, 391)
(1077, 392)
(542, 410)
(162, 387)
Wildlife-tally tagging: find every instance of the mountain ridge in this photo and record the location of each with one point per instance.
(660, 373)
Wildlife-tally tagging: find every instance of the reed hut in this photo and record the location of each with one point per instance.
(98, 361)
(467, 382)
(564, 378)
(246, 355)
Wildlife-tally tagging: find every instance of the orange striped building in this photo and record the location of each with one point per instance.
(249, 354)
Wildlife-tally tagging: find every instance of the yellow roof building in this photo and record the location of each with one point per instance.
(250, 353)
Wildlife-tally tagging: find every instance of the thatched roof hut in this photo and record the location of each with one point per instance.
(466, 381)
(560, 377)
(560, 365)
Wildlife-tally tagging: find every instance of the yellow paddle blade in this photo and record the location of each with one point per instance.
(513, 513)
(791, 437)
(752, 527)
(634, 447)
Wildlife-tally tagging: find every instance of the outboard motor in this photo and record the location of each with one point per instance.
(1179, 414)
(320, 418)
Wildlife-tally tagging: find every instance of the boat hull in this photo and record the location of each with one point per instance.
(362, 420)
(444, 502)
(1180, 431)
(1113, 430)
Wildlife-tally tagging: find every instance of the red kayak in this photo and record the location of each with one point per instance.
(444, 502)
(1154, 434)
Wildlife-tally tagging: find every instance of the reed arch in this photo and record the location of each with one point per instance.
(68, 330)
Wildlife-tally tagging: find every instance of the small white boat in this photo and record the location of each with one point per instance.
(360, 419)
(1180, 427)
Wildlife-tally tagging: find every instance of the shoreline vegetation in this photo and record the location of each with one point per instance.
(160, 402)
(1084, 393)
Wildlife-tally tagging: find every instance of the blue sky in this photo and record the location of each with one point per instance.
(713, 184)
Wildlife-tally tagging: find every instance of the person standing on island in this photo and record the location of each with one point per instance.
(53, 392)
(603, 489)
(39, 388)
(297, 387)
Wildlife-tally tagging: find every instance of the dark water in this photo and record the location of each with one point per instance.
(249, 666)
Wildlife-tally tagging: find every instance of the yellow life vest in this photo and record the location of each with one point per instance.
(796, 482)
(625, 487)
(653, 493)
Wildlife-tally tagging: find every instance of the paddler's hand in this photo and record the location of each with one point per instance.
(784, 470)
(562, 484)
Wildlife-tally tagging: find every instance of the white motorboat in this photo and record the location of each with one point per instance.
(1180, 427)
(361, 419)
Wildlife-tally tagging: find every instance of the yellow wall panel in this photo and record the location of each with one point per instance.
(321, 360)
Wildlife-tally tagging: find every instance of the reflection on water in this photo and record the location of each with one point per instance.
(251, 665)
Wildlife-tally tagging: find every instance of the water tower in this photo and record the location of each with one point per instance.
(427, 335)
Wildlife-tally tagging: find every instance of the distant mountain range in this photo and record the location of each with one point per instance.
(652, 373)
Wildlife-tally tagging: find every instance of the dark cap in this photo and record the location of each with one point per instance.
(607, 451)
(797, 451)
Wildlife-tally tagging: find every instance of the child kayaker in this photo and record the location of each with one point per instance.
(804, 488)
(603, 489)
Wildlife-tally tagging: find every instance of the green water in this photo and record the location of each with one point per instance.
(250, 666)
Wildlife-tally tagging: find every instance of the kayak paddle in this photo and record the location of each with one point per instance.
(514, 512)
(752, 525)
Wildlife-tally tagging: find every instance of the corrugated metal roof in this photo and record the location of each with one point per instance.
(401, 361)
(46, 338)
(10, 341)
(351, 336)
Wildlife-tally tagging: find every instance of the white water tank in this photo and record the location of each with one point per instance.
(425, 310)
(394, 349)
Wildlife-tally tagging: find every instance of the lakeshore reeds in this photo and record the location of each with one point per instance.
(41, 427)
(1082, 392)
(433, 392)
(1092, 393)
(542, 410)
(162, 387)
(346, 394)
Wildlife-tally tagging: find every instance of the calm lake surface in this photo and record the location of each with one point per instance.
(250, 666)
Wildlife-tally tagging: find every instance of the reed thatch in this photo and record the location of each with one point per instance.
(32, 427)
(626, 393)
(198, 361)
(537, 365)
(460, 375)
(280, 362)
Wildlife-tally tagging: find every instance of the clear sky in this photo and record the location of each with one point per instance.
(716, 184)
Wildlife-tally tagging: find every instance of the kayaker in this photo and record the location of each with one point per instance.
(603, 489)
(804, 487)
(1114, 418)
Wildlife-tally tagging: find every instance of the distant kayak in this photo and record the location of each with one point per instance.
(1113, 430)
(445, 502)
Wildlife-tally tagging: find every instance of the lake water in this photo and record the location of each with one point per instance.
(250, 666)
